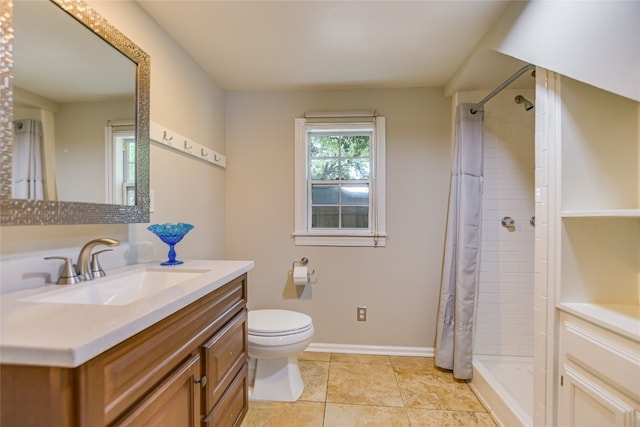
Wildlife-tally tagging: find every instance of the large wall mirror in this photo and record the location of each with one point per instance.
(75, 117)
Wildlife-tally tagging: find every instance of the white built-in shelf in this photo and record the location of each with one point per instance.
(623, 319)
(168, 138)
(601, 213)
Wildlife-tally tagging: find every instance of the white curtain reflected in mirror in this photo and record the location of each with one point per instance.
(27, 168)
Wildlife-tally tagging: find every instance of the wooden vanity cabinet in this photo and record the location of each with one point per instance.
(189, 369)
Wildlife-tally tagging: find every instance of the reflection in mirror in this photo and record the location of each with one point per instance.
(80, 123)
(69, 102)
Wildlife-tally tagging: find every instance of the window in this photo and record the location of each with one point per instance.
(121, 163)
(340, 182)
(128, 142)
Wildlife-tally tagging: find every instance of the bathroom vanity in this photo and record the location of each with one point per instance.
(177, 357)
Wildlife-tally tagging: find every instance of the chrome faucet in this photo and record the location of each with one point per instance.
(83, 266)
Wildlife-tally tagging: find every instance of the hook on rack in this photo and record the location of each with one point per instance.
(164, 137)
(187, 146)
(203, 153)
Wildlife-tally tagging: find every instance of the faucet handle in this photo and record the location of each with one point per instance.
(68, 275)
(96, 268)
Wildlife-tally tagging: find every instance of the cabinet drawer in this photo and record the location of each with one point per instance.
(224, 355)
(232, 407)
(609, 356)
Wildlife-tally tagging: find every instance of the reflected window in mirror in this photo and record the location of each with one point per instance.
(121, 180)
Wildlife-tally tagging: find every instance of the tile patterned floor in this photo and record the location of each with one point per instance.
(344, 390)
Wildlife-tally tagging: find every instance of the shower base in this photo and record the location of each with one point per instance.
(505, 385)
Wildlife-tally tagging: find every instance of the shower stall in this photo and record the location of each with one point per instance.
(503, 346)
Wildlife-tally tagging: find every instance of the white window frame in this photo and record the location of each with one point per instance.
(376, 234)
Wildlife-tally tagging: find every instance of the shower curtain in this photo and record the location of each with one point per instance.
(456, 314)
(27, 160)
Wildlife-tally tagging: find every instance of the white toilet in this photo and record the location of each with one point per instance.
(275, 337)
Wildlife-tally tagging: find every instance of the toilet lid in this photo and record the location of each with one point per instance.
(277, 322)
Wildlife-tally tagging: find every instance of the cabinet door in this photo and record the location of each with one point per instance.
(223, 357)
(174, 403)
(233, 405)
(585, 401)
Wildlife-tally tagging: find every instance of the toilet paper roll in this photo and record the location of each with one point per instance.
(300, 275)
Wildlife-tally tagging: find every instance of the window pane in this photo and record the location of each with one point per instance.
(324, 217)
(324, 145)
(324, 194)
(355, 195)
(355, 169)
(325, 169)
(355, 217)
(132, 150)
(131, 196)
(355, 145)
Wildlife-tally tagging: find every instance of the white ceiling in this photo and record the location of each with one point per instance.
(306, 44)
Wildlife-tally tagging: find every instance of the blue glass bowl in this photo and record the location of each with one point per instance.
(171, 234)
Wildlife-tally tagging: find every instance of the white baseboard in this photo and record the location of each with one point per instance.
(371, 349)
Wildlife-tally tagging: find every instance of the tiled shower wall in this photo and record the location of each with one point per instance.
(506, 291)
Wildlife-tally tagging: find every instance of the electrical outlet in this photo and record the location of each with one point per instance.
(362, 314)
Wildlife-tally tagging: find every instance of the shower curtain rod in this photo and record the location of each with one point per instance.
(504, 84)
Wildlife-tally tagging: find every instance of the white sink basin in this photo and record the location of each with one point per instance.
(122, 289)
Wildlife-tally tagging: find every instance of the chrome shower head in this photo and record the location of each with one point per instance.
(528, 105)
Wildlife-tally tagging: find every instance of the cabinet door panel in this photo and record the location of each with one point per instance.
(224, 354)
(174, 403)
(587, 402)
(233, 405)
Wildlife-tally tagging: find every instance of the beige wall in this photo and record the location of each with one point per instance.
(185, 100)
(400, 283)
(80, 147)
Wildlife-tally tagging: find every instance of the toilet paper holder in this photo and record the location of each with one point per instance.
(303, 262)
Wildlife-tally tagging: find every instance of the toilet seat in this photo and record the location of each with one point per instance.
(277, 323)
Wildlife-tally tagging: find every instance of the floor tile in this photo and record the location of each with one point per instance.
(314, 355)
(371, 359)
(413, 361)
(343, 415)
(363, 384)
(315, 376)
(437, 418)
(281, 414)
(423, 387)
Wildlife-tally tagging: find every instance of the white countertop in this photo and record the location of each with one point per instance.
(68, 335)
(623, 319)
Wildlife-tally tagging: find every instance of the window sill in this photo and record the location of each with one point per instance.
(312, 239)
